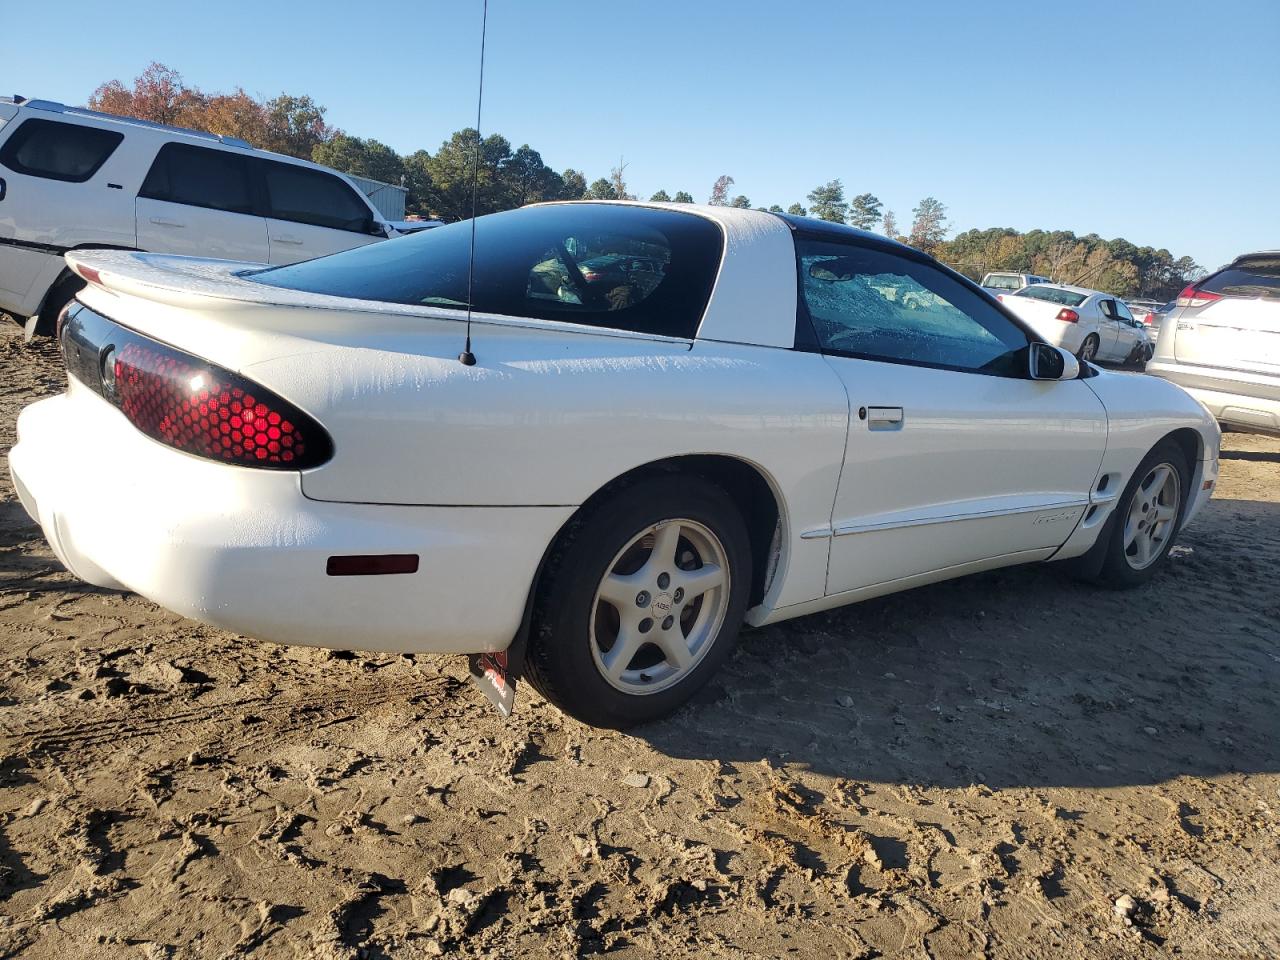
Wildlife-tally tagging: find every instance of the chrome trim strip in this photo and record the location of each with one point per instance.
(818, 533)
(847, 529)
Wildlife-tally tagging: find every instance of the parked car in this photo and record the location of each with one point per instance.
(1222, 343)
(1091, 324)
(796, 416)
(74, 179)
(1149, 313)
(1010, 282)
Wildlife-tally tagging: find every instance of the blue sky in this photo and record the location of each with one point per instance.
(1155, 121)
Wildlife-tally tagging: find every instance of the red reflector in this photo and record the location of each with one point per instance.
(1069, 315)
(90, 274)
(372, 564)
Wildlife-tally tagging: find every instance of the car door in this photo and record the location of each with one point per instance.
(1127, 331)
(311, 213)
(199, 201)
(1108, 329)
(953, 454)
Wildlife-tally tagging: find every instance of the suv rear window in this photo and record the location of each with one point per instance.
(1258, 277)
(309, 196)
(58, 151)
(199, 177)
(1004, 281)
(625, 268)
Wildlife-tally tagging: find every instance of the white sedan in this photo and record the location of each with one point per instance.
(781, 416)
(1091, 324)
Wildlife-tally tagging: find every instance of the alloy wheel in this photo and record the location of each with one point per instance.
(660, 606)
(1153, 516)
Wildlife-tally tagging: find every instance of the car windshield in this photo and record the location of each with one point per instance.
(1067, 298)
(626, 268)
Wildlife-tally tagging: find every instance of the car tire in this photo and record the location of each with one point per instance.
(1148, 517)
(618, 575)
(1089, 349)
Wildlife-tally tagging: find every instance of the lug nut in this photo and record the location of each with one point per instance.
(642, 598)
(678, 595)
(646, 625)
(663, 580)
(666, 624)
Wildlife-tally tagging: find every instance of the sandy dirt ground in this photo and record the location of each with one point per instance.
(1012, 765)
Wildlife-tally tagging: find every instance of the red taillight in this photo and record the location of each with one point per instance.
(1068, 315)
(591, 277)
(203, 410)
(1149, 319)
(1192, 297)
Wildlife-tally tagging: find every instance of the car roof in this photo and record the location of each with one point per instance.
(823, 229)
(53, 106)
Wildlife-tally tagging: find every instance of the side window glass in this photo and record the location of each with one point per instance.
(197, 177)
(874, 304)
(1122, 310)
(1108, 308)
(58, 151)
(302, 195)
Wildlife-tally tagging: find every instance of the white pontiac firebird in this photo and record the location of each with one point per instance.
(678, 418)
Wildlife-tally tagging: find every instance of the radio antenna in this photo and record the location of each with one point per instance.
(466, 357)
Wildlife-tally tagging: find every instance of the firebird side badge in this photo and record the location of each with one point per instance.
(1053, 517)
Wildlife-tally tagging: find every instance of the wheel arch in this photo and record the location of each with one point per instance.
(45, 324)
(753, 491)
(1191, 443)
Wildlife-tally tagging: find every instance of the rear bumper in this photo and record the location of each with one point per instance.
(1242, 400)
(1068, 336)
(246, 551)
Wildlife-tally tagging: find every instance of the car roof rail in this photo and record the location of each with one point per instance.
(52, 106)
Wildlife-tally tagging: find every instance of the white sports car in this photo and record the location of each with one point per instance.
(678, 418)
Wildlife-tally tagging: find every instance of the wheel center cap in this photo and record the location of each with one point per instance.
(662, 604)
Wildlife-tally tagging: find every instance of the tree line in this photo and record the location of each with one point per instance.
(439, 185)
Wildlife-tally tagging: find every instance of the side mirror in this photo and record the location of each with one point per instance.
(378, 229)
(1051, 363)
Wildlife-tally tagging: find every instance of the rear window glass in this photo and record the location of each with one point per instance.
(625, 268)
(1004, 281)
(1251, 278)
(199, 177)
(309, 196)
(1054, 295)
(58, 151)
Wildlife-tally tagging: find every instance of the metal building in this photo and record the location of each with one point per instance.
(387, 197)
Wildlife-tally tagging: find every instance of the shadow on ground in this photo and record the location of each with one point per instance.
(1019, 677)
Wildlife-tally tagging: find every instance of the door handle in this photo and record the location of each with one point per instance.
(166, 222)
(286, 238)
(884, 418)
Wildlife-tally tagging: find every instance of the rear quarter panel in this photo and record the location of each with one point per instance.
(550, 418)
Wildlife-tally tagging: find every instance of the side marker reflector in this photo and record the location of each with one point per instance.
(371, 565)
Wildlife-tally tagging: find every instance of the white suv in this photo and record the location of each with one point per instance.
(74, 179)
(1010, 282)
(1221, 343)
